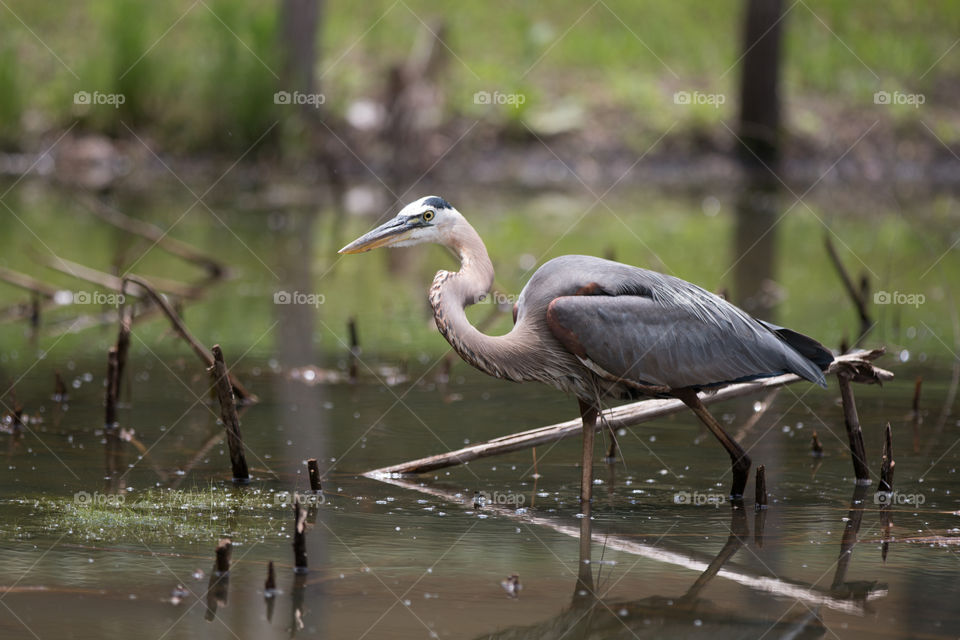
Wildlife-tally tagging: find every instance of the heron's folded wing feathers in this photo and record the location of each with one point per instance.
(650, 341)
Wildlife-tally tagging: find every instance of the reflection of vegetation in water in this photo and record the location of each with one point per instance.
(659, 232)
(166, 514)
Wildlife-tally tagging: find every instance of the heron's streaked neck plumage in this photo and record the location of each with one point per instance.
(451, 292)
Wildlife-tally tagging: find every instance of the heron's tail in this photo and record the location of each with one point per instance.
(811, 351)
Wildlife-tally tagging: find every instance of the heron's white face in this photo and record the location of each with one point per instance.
(429, 219)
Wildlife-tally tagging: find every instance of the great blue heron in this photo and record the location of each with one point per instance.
(600, 329)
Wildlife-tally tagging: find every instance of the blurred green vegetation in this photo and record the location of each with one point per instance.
(202, 75)
(387, 290)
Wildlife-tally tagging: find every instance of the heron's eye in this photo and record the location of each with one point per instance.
(428, 215)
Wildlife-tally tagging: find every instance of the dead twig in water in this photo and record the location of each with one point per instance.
(299, 537)
(857, 295)
(229, 417)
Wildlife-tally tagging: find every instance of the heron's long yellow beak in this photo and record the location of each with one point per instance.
(383, 236)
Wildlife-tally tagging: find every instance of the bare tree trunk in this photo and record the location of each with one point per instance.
(758, 148)
(760, 83)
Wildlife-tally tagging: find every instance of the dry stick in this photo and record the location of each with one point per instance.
(354, 347)
(627, 416)
(761, 489)
(59, 388)
(887, 463)
(29, 283)
(854, 433)
(270, 586)
(228, 415)
(299, 537)
(223, 556)
(314, 472)
(238, 389)
(816, 449)
(115, 283)
(154, 234)
(915, 415)
(857, 296)
(110, 420)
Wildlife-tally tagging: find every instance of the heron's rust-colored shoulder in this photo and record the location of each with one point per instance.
(516, 309)
(566, 337)
(592, 289)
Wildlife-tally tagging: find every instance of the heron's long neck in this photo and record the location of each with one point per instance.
(452, 292)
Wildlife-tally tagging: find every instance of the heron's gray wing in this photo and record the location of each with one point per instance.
(649, 341)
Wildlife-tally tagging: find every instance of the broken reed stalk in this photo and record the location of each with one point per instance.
(60, 392)
(224, 547)
(855, 364)
(123, 341)
(854, 433)
(238, 389)
(314, 472)
(815, 447)
(354, 348)
(299, 537)
(270, 586)
(917, 386)
(857, 296)
(887, 462)
(110, 402)
(228, 414)
(760, 502)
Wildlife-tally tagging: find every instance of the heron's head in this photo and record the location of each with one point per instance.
(429, 219)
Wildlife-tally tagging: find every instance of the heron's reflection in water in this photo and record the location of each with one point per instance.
(592, 615)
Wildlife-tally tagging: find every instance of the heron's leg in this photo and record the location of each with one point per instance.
(588, 414)
(739, 460)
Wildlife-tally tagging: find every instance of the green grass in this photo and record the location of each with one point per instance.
(203, 77)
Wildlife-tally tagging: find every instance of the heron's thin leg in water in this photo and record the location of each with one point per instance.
(588, 414)
(739, 461)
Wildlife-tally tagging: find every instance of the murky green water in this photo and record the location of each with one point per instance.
(418, 560)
